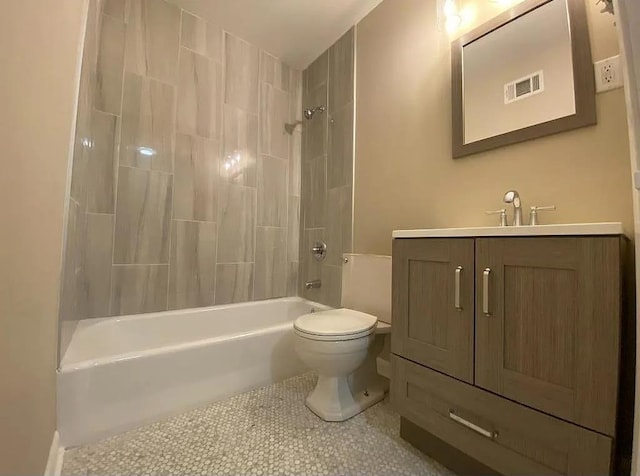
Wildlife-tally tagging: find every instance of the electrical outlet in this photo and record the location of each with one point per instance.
(608, 74)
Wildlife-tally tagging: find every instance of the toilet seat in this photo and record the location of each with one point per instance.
(335, 325)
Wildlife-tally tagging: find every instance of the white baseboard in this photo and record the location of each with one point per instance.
(56, 455)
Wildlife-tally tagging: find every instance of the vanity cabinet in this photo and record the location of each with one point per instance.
(433, 299)
(508, 348)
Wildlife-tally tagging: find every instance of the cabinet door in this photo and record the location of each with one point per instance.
(548, 324)
(433, 303)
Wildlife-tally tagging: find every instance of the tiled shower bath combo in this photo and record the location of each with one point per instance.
(185, 188)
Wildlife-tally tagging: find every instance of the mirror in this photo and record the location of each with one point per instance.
(523, 75)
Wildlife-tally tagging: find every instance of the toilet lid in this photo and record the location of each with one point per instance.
(337, 323)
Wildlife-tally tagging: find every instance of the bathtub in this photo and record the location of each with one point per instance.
(121, 372)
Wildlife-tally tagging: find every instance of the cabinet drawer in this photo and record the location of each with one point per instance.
(503, 435)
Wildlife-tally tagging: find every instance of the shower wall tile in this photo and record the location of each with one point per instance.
(293, 229)
(341, 74)
(340, 156)
(240, 147)
(311, 269)
(274, 72)
(73, 304)
(143, 215)
(98, 248)
(331, 285)
(317, 73)
(274, 114)
(295, 95)
(242, 67)
(271, 263)
(137, 289)
(102, 163)
(316, 128)
(293, 279)
(314, 192)
(110, 65)
(236, 224)
(192, 270)
(272, 191)
(115, 8)
(195, 181)
(153, 39)
(147, 124)
(200, 36)
(339, 225)
(295, 162)
(199, 95)
(234, 283)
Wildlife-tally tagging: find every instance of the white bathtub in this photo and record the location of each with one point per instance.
(120, 372)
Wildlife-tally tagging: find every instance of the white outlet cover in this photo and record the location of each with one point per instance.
(608, 74)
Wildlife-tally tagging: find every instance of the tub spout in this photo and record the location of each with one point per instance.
(316, 283)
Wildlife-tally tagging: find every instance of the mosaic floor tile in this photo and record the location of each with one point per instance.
(267, 431)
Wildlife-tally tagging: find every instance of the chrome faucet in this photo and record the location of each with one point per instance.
(314, 284)
(514, 197)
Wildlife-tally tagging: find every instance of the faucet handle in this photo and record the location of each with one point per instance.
(533, 214)
(503, 215)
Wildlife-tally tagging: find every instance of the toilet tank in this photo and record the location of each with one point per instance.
(366, 284)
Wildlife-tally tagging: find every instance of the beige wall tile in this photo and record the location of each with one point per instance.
(97, 259)
(295, 95)
(196, 178)
(293, 279)
(102, 162)
(147, 124)
(199, 110)
(236, 224)
(293, 229)
(143, 216)
(272, 192)
(271, 263)
(274, 114)
(115, 8)
(338, 228)
(240, 147)
(341, 70)
(201, 36)
(274, 72)
(153, 39)
(139, 288)
(295, 162)
(310, 268)
(234, 283)
(241, 81)
(193, 264)
(72, 304)
(340, 154)
(315, 131)
(110, 65)
(317, 73)
(331, 285)
(314, 192)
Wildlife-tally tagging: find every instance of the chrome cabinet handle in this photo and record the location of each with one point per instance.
(457, 288)
(485, 291)
(472, 426)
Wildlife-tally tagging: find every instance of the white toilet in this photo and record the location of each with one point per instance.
(345, 345)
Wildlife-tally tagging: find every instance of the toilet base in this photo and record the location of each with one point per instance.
(332, 399)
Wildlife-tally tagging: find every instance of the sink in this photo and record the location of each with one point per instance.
(572, 229)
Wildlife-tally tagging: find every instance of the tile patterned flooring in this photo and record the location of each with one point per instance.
(267, 431)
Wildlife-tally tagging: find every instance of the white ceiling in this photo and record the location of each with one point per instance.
(296, 31)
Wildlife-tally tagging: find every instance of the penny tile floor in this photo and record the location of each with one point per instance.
(267, 431)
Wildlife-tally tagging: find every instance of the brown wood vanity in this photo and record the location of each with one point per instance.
(506, 350)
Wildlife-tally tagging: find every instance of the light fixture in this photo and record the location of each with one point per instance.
(449, 15)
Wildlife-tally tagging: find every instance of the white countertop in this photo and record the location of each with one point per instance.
(573, 229)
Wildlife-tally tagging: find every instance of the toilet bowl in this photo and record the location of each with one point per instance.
(342, 346)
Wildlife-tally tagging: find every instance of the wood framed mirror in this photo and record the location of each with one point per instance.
(525, 74)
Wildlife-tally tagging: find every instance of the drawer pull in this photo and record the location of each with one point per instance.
(472, 426)
(457, 288)
(485, 291)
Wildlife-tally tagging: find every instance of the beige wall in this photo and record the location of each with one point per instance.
(404, 174)
(38, 54)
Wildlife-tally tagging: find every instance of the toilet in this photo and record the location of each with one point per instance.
(347, 346)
